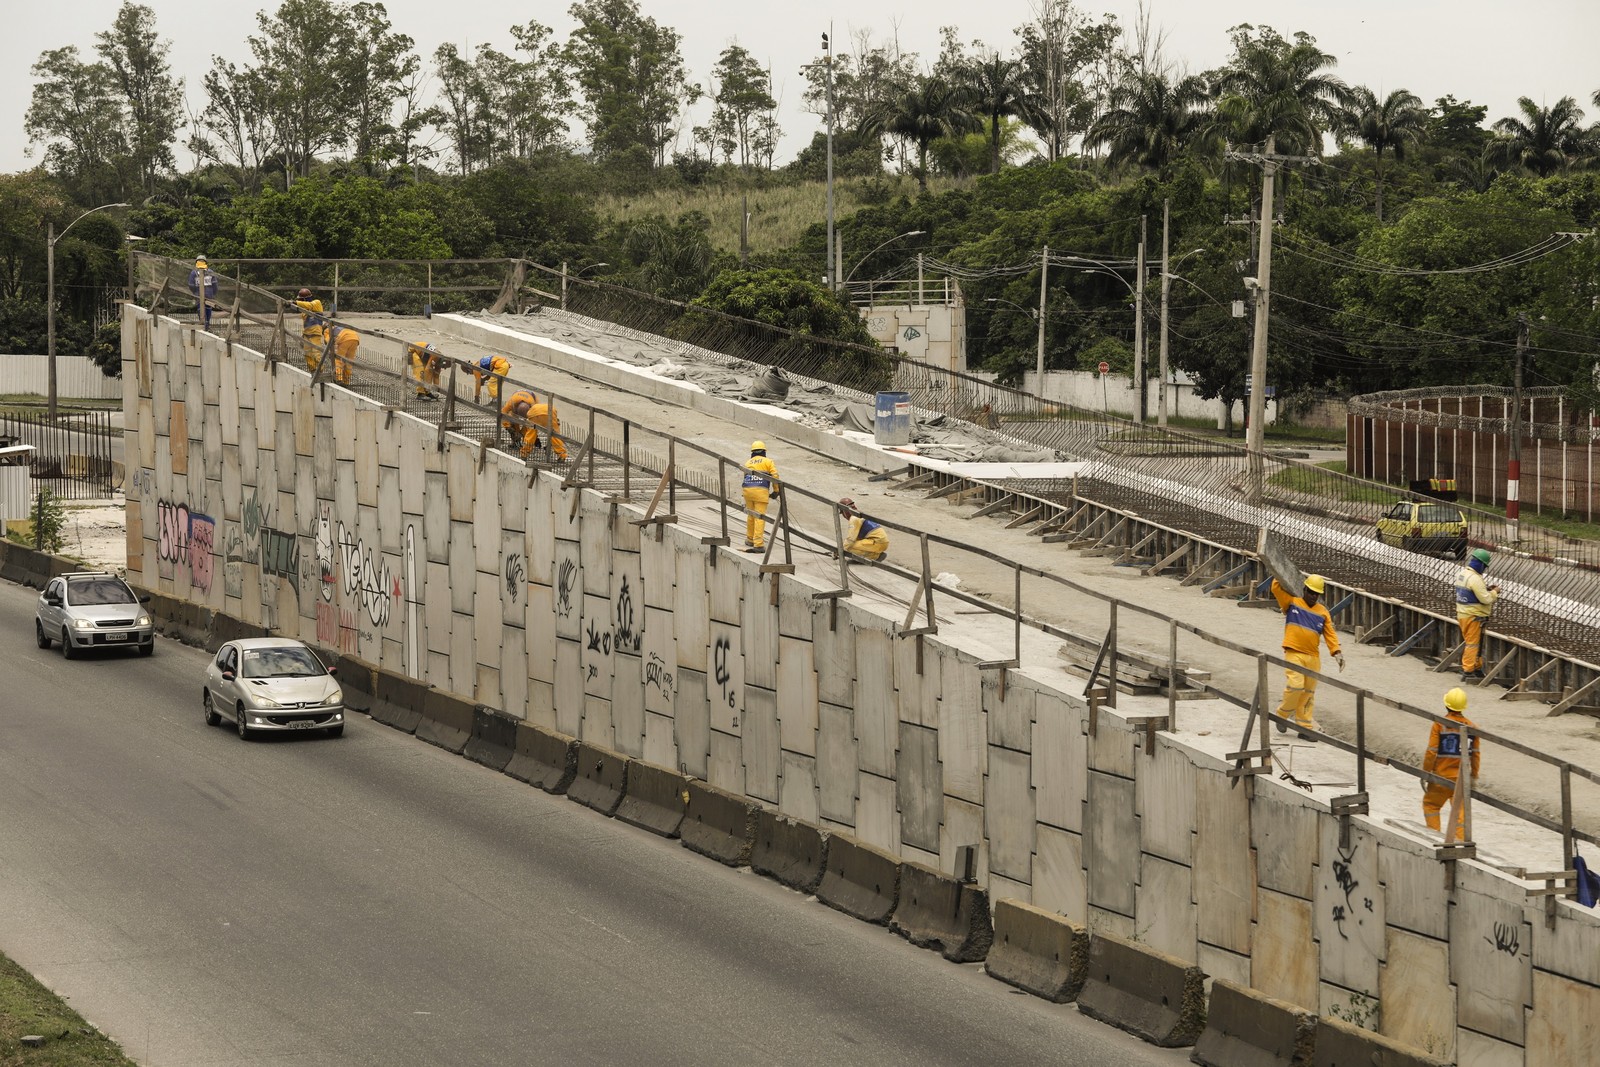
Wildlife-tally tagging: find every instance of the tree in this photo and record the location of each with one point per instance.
(76, 114)
(670, 260)
(741, 97)
(1272, 87)
(233, 130)
(137, 59)
(923, 114)
(1392, 123)
(1457, 126)
(629, 70)
(865, 78)
(468, 117)
(1544, 139)
(373, 63)
(827, 327)
(28, 199)
(538, 98)
(1056, 48)
(998, 88)
(297, 71)
(1152, 121)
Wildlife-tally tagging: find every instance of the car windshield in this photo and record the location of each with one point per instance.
(99, 591)
(1439, 513)
(280, 663)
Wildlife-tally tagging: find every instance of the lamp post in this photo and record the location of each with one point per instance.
(832, 271)
(881, 247)
(1038, 315)
(1166, 285)
(51, 237)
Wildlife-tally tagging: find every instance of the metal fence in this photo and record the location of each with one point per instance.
(72, 456)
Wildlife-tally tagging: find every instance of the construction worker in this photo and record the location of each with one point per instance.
(543, 415)
(519, 406)
(1306, 625)
(345, 342)
(203, 284)
(760, 484)
(313, 328)
(493, 368)
(863, 538)
(1474, 604)
(427, 363)
(1443, 758)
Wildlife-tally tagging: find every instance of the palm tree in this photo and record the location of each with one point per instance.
(1391, 123)
(924, 113)
(1000, 88)
(1151, 120)
(1282, 90)
(1543, 139)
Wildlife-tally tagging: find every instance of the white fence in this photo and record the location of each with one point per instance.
(77, 378)
(1114, 393)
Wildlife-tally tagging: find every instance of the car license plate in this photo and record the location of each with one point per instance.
(116, 637)
(302, 724)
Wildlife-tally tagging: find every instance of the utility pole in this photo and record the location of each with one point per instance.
(1044, 278)
(831, 272)
(1138, 330)
(1514, 463)
(744, 231)
(1166, 285)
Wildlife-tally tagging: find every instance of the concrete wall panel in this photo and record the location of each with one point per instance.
(920, 794)
(1166, 914)
(877, 820)
(1224, 863)
(660, 740)
(1285, 839)
(1491, 963)
(761, 750)
(1010, 721)
(1060, 754)
(1349, 909)
(1479, 1050)
(568, 591)
(1283, 961)
(1059, 882)
(836, 763)
(835, 651)
(1564, 1027)
(1414, 892)
(963, 737)
(627, 705)
(877, 717)
(1167, 806)
(1417, 1000)
(1009, 814)
(569, 688)
(797, 696)
(798, 788)
(725, 765)
(760, 620)
(692, 718)
(1110, 841)
(690, 619)
(725, 680)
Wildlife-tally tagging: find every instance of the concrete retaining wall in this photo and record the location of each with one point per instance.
(325, 518)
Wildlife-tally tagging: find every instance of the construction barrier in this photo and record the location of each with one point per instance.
(1245, 1028)
(356, 679)
(789, 850)
(493, 740)
(543, 758)
(446, 720)
(1038, 951)
(936, 911)
(225, 628)
(1342, 1044)
(397, 700)
(656, 800)
(860, 880)
(1150, 994)
(719, 824)
(602, 778)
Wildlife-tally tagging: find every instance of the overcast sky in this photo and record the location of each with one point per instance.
(1486, 51)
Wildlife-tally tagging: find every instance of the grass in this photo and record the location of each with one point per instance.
(33, 404)
(28, 1008)
(779, 214)
(1306, 480)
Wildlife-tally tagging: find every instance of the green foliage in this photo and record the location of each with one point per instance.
(669, 259)
(49, 522)
(629, 70)
(783, 298)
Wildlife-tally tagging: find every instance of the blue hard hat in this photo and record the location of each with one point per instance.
(487, 362)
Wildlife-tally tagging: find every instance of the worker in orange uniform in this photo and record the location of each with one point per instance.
(1444, 759)
(543, 415)
(1474, 604)
(493, 368)
(520, 406)
(345, 342)
(760, 485)
(427, 363)
(1306, 625)
(863, 538)
(313, 328)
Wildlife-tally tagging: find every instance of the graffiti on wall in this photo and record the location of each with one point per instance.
(657, 674)
(722, 674)
(625, 636)
(172, 538)
(280, 555)
(324, 548)
(365, 577)
(514, 576)
(202, 535)
(185, 538)
(566, 579)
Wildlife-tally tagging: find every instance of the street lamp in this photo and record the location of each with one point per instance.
(881, 247)
(51, 237)
(592, 266)
(1166, 285)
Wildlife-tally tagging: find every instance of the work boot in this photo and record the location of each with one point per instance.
(756, 548)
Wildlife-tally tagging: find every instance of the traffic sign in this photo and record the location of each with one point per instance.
(1105, 368)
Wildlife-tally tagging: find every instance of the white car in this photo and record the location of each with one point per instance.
(87, 610)
(272, 684)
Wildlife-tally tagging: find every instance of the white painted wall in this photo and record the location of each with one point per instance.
(1114, 393)
(77, 377)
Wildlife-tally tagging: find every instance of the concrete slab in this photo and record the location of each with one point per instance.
(542, 562)
(463, 656)
(835, 652)
(485, 621)
(598, 727)
(1220, 963)
(435, 518)
(725, 589)
(627, 705)
(1060, 756)
(512, 492)
(627, 604)
(691, 614)
(760, 622)
(658, 569)
(1010, 720)
(1414, 892)
(598, 654)
(1101, 921)
(836, 763)
(1166, 800)
(1417, 1000)
(725, 766)
(917, 694)
(1573, 947)
(725, 687)
(568, 695)
(963, 825)
(919, 790)
(692, 722)
(1059, 882)
(513, 673)
(1491, 963)
(1110, 829)
(1166, 915)
(877, 718)
(1009, 814)
(1114, 748)
(1480, 1050)
(541, 634)
(390, 523)
(1283, 960)
(485, 521)
(1287, 843)
(463, 570)
(877, 821)
(797, 789)
(761, 751)
(568, 591)
(367, 455)
(1564, 1026)
(436, 606)
(794, 609)
(963, 737)
(595, 539)
(797, 686)
(1349, 909)
(660, 740)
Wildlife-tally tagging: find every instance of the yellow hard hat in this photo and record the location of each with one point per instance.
(1456, 699)
(1315, 583)
(758, 446)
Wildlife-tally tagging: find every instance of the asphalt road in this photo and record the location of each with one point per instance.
(375, 900)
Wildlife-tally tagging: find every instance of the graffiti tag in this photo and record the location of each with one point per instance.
(627, 639)
(514, 576)
(656, 674)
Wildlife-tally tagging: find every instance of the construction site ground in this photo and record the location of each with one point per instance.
(1212, 725)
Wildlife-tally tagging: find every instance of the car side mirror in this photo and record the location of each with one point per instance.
(144, 599)
(333, 670)
(227, 676)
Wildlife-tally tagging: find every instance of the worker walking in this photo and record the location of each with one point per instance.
(863, 538)
(1443, 758)
(427, 363)
(345, 342)
(1306, 625)
(313, 328)
(760, 485)
(519, 406)
(203, 284)
(1474, 604)
(494, 368)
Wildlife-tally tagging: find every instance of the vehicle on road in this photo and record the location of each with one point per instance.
(1428, 526)
(270, 685)
(92, 610)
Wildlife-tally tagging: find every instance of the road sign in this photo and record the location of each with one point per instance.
(1249, 382)
(1105, 368)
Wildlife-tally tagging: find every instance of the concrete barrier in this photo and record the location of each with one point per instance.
(543, 758)
(493, 740)
(602, 778)
(356, 678)
(860, 880)
(656, 800)
(1246, 1028)
(1154, 996)
(719, 824)
(225, 627)
(936, 911)
(1039, 951)
(1342, 1044)
(446, 720)
(791, 851)
(397, 700)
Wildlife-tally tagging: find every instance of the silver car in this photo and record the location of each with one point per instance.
(272, 684)
(92, 609)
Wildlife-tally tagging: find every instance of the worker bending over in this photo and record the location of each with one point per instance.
(494, 368)
(1306, 625)
(345, 343)
(863, 538)
(427, 363)
(760, 485)
(1474, 604)
(1444, 759)
(313, 329)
